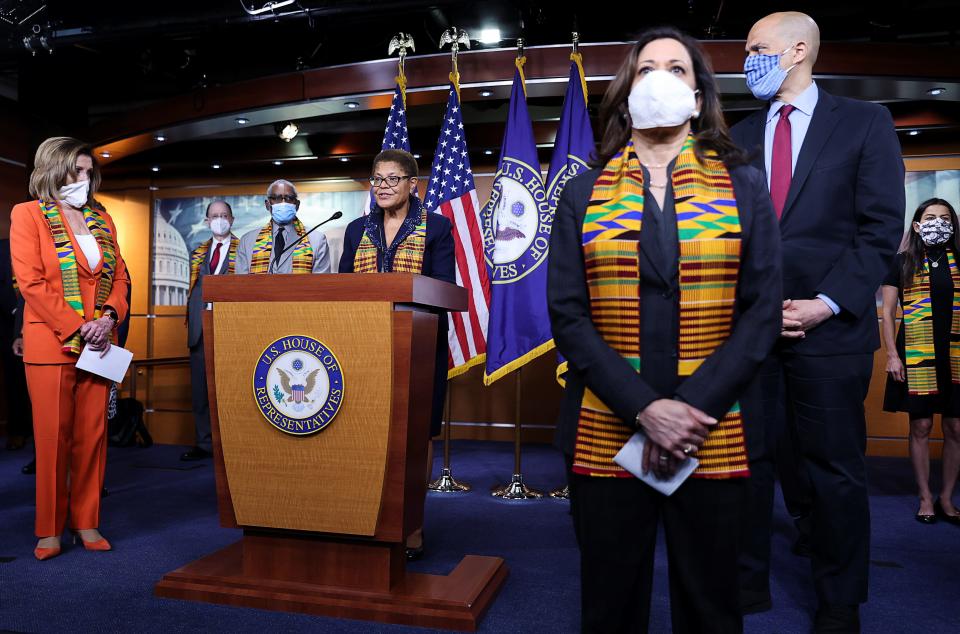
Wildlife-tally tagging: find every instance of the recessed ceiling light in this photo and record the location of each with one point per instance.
(353, 105)
(489, 36)
(159, 138)
(488, 152)
(242, 121)
(215, 166)
(153, 188)
(939, 90)
(105, 154)
(913, 132)
(486, 93)
(155, 168)
(278, 163)
(344, 159)
(416, 156)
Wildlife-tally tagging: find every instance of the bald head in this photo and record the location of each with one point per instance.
(778, 31)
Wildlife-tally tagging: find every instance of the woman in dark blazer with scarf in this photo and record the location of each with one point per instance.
(400, 236)
(668, 250)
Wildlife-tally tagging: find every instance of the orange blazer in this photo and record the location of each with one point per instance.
(48, 321)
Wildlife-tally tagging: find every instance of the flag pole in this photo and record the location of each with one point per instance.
(445, 483)
(516, 489)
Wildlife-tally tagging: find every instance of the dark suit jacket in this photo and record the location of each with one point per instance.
(843, 218)
(719, 382)
(195, 302)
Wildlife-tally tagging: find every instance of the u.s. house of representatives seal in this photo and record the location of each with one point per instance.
(516, 223)
(298, 385)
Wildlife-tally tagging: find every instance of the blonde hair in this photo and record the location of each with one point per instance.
(55, 159)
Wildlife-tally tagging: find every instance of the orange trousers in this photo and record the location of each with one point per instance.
(70, 433)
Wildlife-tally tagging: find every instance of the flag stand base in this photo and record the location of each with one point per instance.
(446, 484)
(561, 494)
(517, 490)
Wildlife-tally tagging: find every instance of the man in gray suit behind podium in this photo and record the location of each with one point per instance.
(216, 256)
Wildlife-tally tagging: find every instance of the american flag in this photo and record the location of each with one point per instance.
(452, 193)
(395, 135)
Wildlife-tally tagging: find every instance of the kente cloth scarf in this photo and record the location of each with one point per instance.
(918, 331)
(199, 258)
(263, 251)
(708, 228)
(68, 263)
(405, 255)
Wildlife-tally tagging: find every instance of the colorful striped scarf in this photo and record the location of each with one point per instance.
(68, 263)
(918, 331)
(263, 251)
(199, 257)
(708, 228)
(405, 255)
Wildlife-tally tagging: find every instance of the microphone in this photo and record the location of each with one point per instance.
(339, 214)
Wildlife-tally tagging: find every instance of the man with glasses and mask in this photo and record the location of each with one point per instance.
(836, 178)
(280, 246)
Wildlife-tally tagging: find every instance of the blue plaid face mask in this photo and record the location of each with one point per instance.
(764, 75)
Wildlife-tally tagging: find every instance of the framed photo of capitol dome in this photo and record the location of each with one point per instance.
(179, 227)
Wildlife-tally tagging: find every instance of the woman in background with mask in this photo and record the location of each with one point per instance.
(667, 250)
(924, 279)
(74, 283)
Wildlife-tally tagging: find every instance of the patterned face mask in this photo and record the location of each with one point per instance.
(936, 231)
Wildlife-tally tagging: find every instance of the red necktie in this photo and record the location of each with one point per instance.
(781, 163)
(215, 260)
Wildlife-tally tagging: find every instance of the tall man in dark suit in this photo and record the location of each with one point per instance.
(216, 256)
(19, 416)
(836, 178)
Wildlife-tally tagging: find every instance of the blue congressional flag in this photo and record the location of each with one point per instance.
(573, 146)
(395, 135)
(516, 238)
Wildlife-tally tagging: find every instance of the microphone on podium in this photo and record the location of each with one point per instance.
(339, 214)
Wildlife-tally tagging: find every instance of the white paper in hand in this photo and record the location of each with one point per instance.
(630, 457)
(112, 366)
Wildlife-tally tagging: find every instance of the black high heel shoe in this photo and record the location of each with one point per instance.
(928, 519)
(942, 514)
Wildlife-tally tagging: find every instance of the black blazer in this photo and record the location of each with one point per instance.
(719, 382)
(843, 218)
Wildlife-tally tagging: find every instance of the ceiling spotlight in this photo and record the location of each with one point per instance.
(242, 121)
(105, 154)
(278, 163)
(215, 166)
(344, 159)
(489, 36)
(153, 188)
(159, 138)
(488, 152)
(936, 92)
(486, 93)
(353, 105)
(913, 132)
(288, 132)
(155, 168)
(416, 156)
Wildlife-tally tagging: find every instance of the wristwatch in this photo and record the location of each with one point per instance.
(111, 313)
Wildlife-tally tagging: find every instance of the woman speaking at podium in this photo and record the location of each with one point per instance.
(399, 236)
(74, 284)
(664, 296)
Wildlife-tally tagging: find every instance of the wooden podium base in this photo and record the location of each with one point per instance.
(455, 602)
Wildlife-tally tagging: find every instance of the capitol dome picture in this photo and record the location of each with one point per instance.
(171, 265)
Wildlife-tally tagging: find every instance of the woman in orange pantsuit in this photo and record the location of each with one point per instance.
(74, 282)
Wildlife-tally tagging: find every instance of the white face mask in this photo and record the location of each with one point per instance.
(661, 100)
(219, 226)
(75, 194)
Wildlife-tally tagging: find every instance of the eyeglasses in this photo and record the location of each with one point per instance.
(392, 181)
(287, 198)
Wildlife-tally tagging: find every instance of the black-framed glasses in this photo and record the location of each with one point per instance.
(392, 181)
(287, 198)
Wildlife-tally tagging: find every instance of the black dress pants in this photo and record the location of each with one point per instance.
(615, 520)
(819, 454)
(199, 397)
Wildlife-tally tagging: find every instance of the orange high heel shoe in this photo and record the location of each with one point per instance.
(46, 553)
(99, 545)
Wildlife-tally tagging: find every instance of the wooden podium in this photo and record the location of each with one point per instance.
(325, 514)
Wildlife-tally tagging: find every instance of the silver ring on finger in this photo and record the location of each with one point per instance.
(689, 449)
(664, 458)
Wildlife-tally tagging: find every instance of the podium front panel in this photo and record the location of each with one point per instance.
(278, 357)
